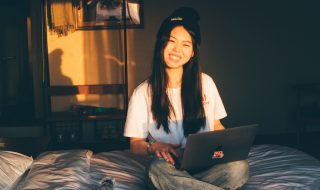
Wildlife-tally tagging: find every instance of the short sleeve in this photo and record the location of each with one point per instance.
(219, 111)
(137, 115)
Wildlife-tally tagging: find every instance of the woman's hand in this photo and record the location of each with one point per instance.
(161, 150)
(165, 151)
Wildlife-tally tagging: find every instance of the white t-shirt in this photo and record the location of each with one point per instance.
(140, 122)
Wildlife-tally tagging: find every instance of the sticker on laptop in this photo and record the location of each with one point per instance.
(218, 153)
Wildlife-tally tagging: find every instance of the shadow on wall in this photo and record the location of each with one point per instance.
(60, 103)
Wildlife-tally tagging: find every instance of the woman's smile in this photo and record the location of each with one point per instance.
(174, 57)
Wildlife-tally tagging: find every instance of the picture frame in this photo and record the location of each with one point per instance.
(108, 14)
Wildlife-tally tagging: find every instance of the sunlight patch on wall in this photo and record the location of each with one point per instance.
(87, 57)
(70, 64)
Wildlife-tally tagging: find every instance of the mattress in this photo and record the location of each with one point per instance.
(271, 167)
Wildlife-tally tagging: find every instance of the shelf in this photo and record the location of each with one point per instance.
(308, 87)
(96, 146)
(102, 126)
(86, 89)
(308, 109)
(69, 116)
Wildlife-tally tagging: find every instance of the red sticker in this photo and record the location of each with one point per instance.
(218, 154)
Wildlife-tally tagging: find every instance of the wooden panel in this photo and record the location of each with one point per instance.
(86, 89)
(67, 116)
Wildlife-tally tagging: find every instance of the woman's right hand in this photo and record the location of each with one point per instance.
(165, 151)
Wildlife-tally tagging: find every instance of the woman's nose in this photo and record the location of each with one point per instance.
(177, 47)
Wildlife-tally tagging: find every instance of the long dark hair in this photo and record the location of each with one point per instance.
(191, 88)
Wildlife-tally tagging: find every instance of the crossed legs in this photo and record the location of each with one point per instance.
(231, 176)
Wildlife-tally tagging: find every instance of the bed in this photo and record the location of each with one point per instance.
(271, 167)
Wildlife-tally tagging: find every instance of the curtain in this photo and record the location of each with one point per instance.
(61, 16)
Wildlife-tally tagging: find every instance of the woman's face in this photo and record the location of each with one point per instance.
(179, 48)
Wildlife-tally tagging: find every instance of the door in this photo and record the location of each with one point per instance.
(16, 91)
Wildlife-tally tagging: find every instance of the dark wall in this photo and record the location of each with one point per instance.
(260, 50)
(255, 51)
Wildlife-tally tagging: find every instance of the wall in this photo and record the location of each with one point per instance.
(255, 51)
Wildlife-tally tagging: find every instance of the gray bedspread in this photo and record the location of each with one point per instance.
(282, 168)
(271, 167)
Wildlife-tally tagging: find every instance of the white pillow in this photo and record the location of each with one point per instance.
(12, 166)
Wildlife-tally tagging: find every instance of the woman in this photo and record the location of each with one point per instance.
(178, 100)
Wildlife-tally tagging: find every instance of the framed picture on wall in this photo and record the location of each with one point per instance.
(109, 14)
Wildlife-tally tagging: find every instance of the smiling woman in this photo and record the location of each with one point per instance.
(178, 100)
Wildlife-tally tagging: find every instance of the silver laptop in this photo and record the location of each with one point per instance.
(215, 147)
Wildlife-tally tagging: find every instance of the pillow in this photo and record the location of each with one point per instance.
(61, 169)
(12, 166)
